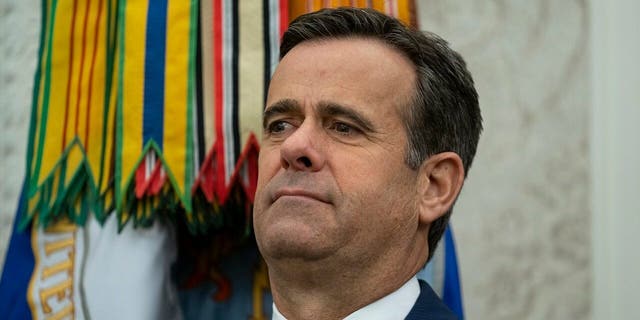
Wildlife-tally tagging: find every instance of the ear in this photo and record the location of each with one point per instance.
(440, 179)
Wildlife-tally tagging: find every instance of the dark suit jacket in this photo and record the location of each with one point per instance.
(429, 306)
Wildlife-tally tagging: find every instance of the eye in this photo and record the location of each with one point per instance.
(278, 126)
(343, 128)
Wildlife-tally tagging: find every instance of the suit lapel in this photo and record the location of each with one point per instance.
(429, 306)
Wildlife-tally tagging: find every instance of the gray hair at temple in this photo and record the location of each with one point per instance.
(443, 115)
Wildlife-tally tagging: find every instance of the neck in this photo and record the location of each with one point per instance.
(334, 289)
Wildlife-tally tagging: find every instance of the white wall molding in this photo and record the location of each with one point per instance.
(615, 156)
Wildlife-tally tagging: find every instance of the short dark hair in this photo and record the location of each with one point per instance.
(444, 114)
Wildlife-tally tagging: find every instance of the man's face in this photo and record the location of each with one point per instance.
(332, 181)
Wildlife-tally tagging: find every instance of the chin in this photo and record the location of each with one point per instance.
(294, 228)
(285, 244)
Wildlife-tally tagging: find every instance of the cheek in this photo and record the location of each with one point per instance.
(268, 165)
(369, 172)
(377, 185)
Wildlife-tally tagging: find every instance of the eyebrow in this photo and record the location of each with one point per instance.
(332, 109)
(325, 109)
(284, 106)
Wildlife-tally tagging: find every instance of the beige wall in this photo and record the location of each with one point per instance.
(19, 32)
(523, 222)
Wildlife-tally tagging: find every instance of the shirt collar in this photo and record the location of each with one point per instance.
(395, 305)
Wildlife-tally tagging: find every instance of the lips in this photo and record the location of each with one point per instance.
(299, 193)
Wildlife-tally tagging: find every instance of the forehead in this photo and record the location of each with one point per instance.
(353, 71)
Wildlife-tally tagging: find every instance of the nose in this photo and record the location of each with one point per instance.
(301, 152)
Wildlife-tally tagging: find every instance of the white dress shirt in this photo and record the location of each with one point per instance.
(395, 305)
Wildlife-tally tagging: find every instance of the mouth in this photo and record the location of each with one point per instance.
(297, 193)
